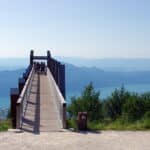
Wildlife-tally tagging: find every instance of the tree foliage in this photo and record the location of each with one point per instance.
(124, 105)
(88, 102)
(114, 104)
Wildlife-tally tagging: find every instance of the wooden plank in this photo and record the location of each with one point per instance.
(41, 113)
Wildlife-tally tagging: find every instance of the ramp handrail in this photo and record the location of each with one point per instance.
(23, 98)
(60, 101)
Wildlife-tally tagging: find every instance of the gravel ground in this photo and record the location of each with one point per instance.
(105, 140)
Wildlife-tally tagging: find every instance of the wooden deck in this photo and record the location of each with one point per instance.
(41, 113)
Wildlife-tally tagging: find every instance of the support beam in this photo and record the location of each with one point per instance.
(40, 57)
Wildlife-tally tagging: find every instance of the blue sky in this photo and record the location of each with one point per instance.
(75, 28)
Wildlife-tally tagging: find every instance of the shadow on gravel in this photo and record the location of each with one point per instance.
(85, 132)
(89, 132)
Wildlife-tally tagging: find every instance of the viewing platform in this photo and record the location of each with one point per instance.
(38, 105)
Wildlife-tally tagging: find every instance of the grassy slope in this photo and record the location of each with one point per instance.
(5, 125)
(114, 125)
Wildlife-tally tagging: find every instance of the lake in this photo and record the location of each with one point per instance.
(104, 92)
(4, 102)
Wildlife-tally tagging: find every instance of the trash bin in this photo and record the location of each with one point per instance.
(82, 121)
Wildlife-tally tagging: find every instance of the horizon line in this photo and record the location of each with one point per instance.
(88, 58)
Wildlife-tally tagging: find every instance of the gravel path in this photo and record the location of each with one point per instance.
(106, 140)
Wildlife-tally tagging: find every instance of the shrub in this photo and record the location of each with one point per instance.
(114, 103)
(88, 102)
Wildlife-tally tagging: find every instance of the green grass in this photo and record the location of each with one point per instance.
(71, 123)
(5, 125)
(118, 124)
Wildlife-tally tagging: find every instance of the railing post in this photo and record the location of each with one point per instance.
(18, 115)
(48, 57)
(14, 95)
(31, 57)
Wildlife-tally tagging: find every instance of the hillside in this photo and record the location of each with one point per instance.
(79, 77)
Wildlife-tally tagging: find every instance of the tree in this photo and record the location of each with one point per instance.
(134, 108)
(89, 102)
(114, 103)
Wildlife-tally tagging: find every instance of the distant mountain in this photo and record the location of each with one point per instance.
(116, 64)
(78, 77)
(13, 63)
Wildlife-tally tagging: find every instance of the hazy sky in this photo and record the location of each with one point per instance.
(83, 28)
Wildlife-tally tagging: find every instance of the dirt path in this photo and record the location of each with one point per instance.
(106, 140)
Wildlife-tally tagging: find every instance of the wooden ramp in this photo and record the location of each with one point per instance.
(41, 113)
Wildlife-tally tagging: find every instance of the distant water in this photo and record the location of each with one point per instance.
(4, 107)
(4, 102)
(104, 92)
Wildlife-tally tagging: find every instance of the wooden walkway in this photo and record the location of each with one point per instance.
(41, 113)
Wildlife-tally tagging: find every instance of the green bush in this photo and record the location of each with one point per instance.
(95, 125)
(114, 103)
(88, 102)
(147, 115)
(146, 124)
(134, 108)
(71, 123)
(122, 110)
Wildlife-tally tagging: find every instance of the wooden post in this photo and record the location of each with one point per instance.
(49, 61)
(14, 95)
(48, 54)
(31, 57)
(18, 115)
(48, 57)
